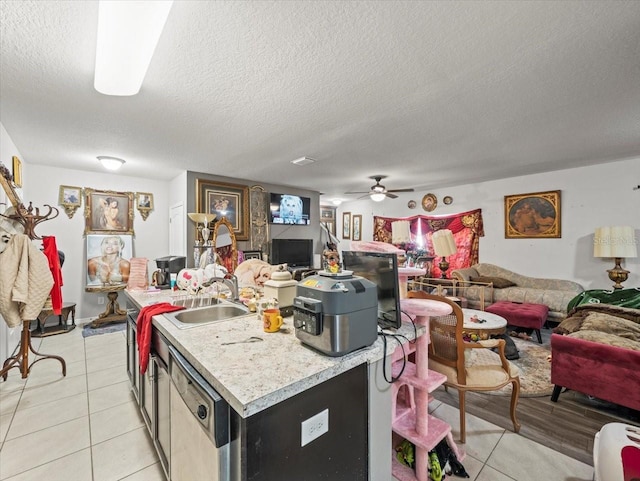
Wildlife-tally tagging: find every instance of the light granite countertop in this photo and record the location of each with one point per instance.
(255, 376)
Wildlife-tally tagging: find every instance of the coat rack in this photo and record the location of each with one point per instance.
(29, 220)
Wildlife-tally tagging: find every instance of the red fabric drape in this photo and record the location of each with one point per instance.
(50, 250)
(467, 228)
(143, 330)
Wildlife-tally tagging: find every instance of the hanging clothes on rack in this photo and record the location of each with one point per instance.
(25, 280)
(51, 252)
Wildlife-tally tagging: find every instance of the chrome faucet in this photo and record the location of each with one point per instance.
(231, 282)
(228, 280)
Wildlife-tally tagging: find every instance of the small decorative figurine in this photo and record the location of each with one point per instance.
(332, 259)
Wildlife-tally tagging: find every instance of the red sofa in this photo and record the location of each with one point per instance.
(587, 359)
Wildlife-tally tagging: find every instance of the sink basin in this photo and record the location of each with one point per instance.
(206, 315)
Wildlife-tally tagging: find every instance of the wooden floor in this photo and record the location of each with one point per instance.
(568, 426)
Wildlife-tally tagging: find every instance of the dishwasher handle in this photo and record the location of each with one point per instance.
(220, 406)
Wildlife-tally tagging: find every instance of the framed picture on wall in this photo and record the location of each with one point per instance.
(346, 225)
(144, 203)
(356, 230)
(70, 198)
(17, 171)
(532, 216)
(108, 259)
(9, 189)
(328, 217)
(107, 211)
(225, 200)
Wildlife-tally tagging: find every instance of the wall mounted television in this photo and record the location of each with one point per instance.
(294, 252)
(381, 268)
(289, 209)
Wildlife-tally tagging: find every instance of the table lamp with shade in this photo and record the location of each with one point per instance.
(618, 242)
(444, 245)
(205, 220)
(401, 237)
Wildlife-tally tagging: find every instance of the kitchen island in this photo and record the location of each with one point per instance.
(281, 379)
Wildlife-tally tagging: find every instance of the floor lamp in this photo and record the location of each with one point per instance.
(618, 242)
(444, 245)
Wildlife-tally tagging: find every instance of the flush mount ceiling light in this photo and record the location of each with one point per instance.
(128, 33)
(111, 163)
(303, 161)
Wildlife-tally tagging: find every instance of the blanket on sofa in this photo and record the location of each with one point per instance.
(603, 323)
(618, 297)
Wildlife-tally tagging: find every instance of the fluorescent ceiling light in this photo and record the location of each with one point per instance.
(111, 163)
(377, 197)
(128, 32)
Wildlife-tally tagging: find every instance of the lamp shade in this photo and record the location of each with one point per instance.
(444, 244)
(201, 217)
(400, 232)
(617, 241)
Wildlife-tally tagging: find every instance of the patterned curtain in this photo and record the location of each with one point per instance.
(466, 227)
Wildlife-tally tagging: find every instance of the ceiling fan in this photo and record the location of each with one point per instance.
(378, 191)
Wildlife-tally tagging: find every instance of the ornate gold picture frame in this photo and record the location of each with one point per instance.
(532, 216)
(17, 171)
(144, 203)
(230, 201)
(107, 212)
(7, 185)
(70, 198)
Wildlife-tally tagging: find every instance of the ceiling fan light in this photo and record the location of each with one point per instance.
(377, 197)
(111, 163)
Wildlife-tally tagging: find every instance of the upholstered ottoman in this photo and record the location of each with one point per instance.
(527, 315)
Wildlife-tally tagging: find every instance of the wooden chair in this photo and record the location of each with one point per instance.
(469, 366)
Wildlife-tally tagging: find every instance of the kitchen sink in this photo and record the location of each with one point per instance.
(206, 315)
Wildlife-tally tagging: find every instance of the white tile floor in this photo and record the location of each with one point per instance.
(86, 426)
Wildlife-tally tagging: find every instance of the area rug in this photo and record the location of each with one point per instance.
(535, 370)
(88, 331)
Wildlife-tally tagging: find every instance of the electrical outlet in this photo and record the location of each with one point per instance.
(100, 300)
(314, 427)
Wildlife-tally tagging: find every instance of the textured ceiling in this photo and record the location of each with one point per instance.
(428, 93)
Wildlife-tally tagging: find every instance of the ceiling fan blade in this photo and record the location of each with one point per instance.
(390, 195)
(400, 190)
(356, 193)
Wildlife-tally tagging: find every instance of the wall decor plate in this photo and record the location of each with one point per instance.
(429, 202)
(448, 200)
(411, 204)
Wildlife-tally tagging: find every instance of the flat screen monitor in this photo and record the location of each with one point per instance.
(289, 209)
(381, 268)
(294, 252)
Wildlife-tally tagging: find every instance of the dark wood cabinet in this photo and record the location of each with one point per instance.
(271, 440)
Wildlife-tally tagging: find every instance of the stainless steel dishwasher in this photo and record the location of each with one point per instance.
(200, 447)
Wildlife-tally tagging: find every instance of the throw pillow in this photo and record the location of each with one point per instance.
(498, 282)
